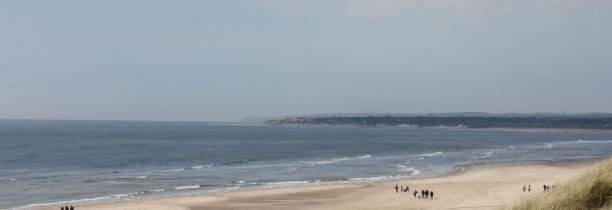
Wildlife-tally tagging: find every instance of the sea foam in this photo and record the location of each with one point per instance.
(335, 160)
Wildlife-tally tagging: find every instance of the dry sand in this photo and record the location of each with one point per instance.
(476, 187)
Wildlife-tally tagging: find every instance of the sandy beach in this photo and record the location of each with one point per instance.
(486, 186)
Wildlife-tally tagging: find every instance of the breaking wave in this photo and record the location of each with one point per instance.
(403, 168)
(548, 145)
(335, 160)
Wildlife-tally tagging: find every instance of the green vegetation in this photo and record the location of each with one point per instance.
(558, 122)
(593, 190)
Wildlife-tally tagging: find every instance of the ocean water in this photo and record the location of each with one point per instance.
(51, 162)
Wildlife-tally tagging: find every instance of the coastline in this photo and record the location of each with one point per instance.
(345, 195)
(519, 129)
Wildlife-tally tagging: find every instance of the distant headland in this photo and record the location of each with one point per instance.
(455, 120)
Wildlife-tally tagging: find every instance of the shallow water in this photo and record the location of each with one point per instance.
(45, 162)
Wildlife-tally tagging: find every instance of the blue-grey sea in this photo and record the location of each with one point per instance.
(46, 162)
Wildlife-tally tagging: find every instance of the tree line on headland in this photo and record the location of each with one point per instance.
(554, 122)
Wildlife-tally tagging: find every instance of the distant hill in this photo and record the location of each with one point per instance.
(460, 120)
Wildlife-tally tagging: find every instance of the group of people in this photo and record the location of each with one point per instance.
(425, 194)
(525, 188)
(528, 188)
(401, 189)
(67, 208)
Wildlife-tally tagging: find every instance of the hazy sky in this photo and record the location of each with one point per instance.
(223, 60)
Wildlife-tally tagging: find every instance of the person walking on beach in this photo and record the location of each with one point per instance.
(524, 188)
(529, 188)
(407, 189)
(431, 194)
(71, 208)
(396, 188)
(62, 208)
(415, 193)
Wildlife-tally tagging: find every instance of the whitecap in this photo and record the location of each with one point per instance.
(375, 178)
(554, 144)
(335, 160)
(131, 177)
(187, 187)
(404, 168)
(239, 182)
(171, 170)
(289, 183)
(489, 153)
(200, 167)
(431, 154)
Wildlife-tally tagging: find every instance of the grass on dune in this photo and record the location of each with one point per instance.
(592, 190)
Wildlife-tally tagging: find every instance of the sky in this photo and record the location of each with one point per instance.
(228, 59)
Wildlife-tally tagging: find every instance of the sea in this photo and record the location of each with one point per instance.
(51, 162)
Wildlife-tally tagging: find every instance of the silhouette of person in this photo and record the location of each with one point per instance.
(396, 188)
(407, 189)
(529, 188)
(71, 208)
(524, 188)
(431, 194)
(62, 208)
(415, 193)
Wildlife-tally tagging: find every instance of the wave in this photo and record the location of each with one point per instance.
(488, 153)
(200, 167)
(404, 168)
(376, 178)
(119, 178)
(189, 187)
(36, 205)
(155, 191)
(8, 180)
(548, 145)
(90, 200)
(335, 160)
(431, 154)
(288, 183)
(131, 177)
(239, 182)
(238, 162)
(425, 155)
(172, 170)
(85, 200)
(594, 141)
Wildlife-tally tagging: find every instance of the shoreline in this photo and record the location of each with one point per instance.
(189, 200)
(519, 129)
